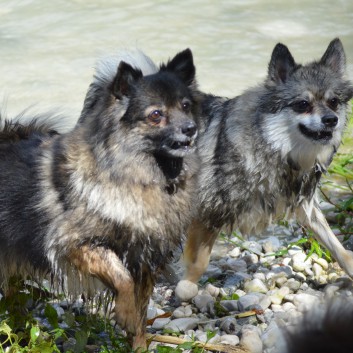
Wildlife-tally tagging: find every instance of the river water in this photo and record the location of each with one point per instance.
(48, 48)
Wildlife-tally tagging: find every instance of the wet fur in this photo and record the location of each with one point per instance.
(257, 164)
(112, 198)
(323, 329)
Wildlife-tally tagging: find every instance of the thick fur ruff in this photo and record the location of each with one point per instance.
(112, 198)
(263, 154)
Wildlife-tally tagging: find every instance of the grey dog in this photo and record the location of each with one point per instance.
(263, 154)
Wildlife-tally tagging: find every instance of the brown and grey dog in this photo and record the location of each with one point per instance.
(112, 198)
(263, 154)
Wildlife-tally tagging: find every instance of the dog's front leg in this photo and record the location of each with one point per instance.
(311, 216)
(131, 299)
(196, 257)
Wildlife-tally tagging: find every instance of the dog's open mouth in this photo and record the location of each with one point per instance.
(324, 135)
(179, 148)
(176, 145)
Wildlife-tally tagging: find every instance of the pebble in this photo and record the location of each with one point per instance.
(256, 285)
(182, 324)
(229, 325)
(278, 290)
(201, 300)
(250, 339)
(232, 340)
(160, 323)
(248, 299)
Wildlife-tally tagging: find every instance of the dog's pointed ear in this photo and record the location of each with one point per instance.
(334, 57)
(124, 80)
(183, 66)
(281, 64)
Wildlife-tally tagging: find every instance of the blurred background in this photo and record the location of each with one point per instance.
(48, 48)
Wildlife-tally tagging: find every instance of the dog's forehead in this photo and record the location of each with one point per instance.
(316, 80)
(163, 86)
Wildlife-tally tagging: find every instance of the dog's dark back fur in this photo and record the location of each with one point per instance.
(113, 197)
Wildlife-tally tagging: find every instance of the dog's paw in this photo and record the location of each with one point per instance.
(186, 290)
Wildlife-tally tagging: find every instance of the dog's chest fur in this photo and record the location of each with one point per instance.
(140, 214)
(244, 183)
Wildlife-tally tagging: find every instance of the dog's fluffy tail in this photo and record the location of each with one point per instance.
(324, 329)
(12, 131)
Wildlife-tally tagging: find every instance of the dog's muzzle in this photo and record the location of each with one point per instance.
(182, 142)
(328, 122)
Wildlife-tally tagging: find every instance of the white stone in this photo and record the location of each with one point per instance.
(255, 285)
(186, 290)
(322, 262)
(299, 261)
(229, 339)
(317, 269)
(304, 301)
(213, 290)
(235, 252)
(288, 306)
(250, 340)
(271, 244)
(261, 276)
(182, 311)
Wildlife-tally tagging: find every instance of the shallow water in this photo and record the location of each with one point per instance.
(48, 48)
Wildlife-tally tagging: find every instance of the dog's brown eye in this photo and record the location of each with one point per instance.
(186, 107)
(301, 106)
(155, 116)
(333, 103)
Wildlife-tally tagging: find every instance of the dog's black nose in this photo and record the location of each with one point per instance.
(189, 129)
(329, 120)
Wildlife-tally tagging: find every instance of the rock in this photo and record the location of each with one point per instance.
(256, 285)
(317, 269)
(232, 340)
(160, 323)
(237, 265)
(304, 301)
(250, 339)
(213, 271)
(247, 300)
(202, 337)
(271, 337)
(186, 290)
(182, 324)
(229, 325)
(201, 300)
(253, 247)
(265, 302)
(182, 311)
(271, 244)
(251, 259)
(235, 252)
(322, 262)
(293, 284)
(151, 312)
(261, 276)
(233, 282)
(299, 262)
(214, 291)
(230, 305)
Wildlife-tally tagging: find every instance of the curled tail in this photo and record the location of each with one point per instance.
(12, 131)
